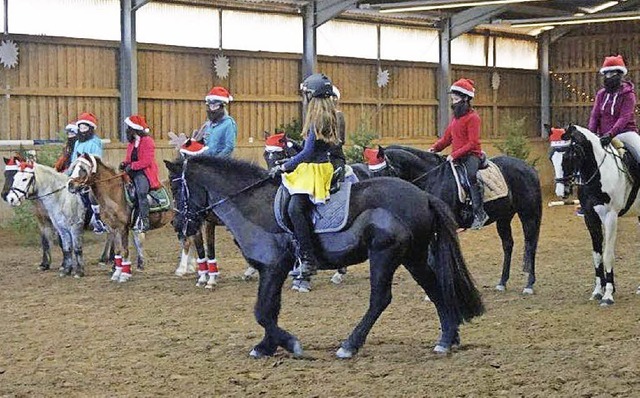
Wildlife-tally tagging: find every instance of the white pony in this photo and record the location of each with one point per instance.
(605, 190)
(38, 182)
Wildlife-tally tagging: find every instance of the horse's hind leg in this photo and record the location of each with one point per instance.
(608, 255)
(138, 242)
(423, 275)
(531, 230)
(107, 252)
(594, 225)
(382, 267)
(504, 230)
(266, 312)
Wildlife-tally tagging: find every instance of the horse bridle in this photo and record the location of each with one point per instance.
(191, 216)
(577, 152)
(25, 193)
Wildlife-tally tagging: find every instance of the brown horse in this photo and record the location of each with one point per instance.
(109, 188)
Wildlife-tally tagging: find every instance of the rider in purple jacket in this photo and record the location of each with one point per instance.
(613, 113)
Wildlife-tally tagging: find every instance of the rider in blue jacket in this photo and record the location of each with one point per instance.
(220, 129)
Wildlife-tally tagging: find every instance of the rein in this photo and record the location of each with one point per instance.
(189, 215)
(423, 175)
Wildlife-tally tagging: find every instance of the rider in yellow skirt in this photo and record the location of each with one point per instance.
(307, 176)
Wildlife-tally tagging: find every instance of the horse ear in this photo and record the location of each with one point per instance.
(380, 152)
(6, 160)
(266, 134)
(172, 167)
(568, 132)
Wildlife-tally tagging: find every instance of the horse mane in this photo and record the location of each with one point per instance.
(242, 170)
(592, 138)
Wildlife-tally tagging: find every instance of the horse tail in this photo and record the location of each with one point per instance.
(459, 292)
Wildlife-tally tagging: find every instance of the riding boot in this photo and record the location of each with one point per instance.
(479, 215)
(143, 215)
(98, 225)
(308, 264)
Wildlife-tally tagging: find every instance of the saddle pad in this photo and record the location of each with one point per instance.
(328, 217)
(158, 199)
(493, 182)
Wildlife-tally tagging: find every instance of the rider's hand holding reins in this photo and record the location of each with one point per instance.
(275, 171)
(605, 140)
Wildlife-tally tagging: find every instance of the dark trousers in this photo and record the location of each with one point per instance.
(300, 215)
(472, 164)
(88, 199)
(141, 182)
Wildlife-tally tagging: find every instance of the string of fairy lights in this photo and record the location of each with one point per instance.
(584, 96)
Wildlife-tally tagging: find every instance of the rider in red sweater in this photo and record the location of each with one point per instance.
(140, 164)
(463, 133)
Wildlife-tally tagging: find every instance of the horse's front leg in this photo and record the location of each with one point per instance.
(126, 261)
(78, 243)
(594, 226)
(610, 223)
(67, 255)
(504, 231)
(212, 262)
(382, 267)
(266, 311)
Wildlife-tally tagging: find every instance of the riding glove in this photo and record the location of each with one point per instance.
(605, 140)
(275, 171)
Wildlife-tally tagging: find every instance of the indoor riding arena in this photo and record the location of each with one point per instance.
(211, 289)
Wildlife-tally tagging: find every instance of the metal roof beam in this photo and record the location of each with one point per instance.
(464, 21)
(136, 4)
(329, 9)
(538, 11)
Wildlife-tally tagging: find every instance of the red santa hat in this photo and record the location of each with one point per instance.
(275, 143)
(464, 86)
(137, 122)
(219, 94)
(373, 159)
(555, 138)
(12, 164)
(613, 63)
(192, 148)
(87, 118)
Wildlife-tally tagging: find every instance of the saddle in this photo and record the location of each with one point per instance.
(489, 175)
(159, 199)
(328, 217)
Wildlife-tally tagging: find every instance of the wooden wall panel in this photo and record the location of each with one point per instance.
(576, 59)
(59, 78)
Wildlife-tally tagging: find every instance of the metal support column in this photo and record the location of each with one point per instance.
(128, 63)
(545, 83)
(6, 17)
(309, 40)
(444, 75)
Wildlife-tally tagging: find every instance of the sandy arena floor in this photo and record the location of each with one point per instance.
(159, 335)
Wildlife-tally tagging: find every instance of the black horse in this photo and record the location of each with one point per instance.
(391, 222)
(432, 173)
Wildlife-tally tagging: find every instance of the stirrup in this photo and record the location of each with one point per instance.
(479, 222)
(99, 226)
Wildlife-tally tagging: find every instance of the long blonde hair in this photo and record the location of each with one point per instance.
(321, 117)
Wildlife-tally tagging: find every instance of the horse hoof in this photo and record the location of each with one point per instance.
(606, 302)
(501, 288)
(527, 291)
(596, 296)
(78, 275)
(298, 352)
(255, 354)
(180, 273)
(337, 278)
(124, 277)
(343, 353)
(140, 267)
(441, 350)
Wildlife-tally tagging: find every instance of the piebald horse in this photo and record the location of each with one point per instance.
(605, 191)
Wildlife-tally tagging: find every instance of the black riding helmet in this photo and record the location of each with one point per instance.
(317, 86)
